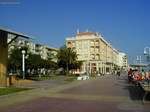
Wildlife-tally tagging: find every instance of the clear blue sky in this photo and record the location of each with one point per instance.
(123, 23)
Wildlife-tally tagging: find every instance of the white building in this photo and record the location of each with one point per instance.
(34, 48)
(122, 59)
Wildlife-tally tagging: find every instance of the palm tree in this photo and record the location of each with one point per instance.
(66, 57)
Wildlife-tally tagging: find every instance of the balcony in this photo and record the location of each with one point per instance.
(97, 57)
(97, 50)
(50, 54)
(92, 43)
(92, 56)
(97, 43)
(73, 44)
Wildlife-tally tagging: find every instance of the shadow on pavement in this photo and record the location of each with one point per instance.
(135, 94)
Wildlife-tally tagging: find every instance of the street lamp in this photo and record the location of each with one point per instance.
(139, 58)
(145, 52)
(135, 61)
(23, 63)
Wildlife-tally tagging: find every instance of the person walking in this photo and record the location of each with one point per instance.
(143, 75)
(130, 76)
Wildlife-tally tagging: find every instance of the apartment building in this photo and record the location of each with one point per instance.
(123, 63)
(43, 51)
(97, 54)
(50, 53)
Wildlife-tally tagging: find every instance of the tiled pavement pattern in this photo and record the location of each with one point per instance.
(100, 94)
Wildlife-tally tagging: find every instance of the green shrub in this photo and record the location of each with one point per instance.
(9, 90)
(77, 75)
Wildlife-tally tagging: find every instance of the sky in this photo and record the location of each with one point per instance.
(125, 24)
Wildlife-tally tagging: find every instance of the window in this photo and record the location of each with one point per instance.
(73, 44)
(85, 43)
(79, 56)
(85, 50)
(85, 56)
(92, 56)
(92, 43)
(97, 50)
(80, 43)
(80, 50)
(97, 56)
(97, 43)
(92, 50)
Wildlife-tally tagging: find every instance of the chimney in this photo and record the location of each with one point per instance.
(97, 34)
(78, 31)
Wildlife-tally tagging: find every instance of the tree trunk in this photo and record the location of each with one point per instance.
(67, 68)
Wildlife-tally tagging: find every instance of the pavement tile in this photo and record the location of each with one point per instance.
(100, 94)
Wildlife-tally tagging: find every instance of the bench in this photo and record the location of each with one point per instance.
(83, 77)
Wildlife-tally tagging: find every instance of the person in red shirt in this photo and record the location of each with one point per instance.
(130, 76)
(139, 76)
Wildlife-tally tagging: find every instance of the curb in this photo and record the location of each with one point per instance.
(21, 92)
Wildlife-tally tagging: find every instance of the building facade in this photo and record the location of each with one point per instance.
(50, 53)
(46, 52)
(123, 62)
(97, 55)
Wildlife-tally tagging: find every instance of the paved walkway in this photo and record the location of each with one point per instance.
(45, 83)
(100, 94)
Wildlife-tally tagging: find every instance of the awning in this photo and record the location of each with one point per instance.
(138, 65)
(16, 34)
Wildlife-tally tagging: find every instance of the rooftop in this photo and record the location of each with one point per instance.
(86, 34)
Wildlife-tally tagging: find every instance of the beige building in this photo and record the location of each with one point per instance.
(50, 53)
(97, 54)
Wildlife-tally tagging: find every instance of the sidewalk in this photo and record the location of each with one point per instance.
(106, 93)
(45, 83)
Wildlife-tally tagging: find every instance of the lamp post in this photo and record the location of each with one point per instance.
(145, 52)
(23, 63)
(135, 61)
(139, 59)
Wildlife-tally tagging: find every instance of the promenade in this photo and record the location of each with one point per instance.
(100, 94)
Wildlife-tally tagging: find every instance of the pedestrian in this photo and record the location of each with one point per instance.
(130, 76)
(143, 75)
(118, 72)
(148, 75)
